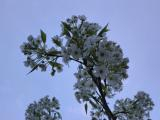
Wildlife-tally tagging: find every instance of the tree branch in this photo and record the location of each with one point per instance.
(105, 106)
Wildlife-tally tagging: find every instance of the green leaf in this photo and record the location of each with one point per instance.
(58, 67)
(51, 63)
(66, 29)
(93, 104)
(66, 26)
(34, 68)
(86, 107)
(43, 36)
(53, 53)
(53, 72)
(57, 42)
(105, 29)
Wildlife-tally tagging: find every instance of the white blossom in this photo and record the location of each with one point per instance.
(136, 109)
(101, 55)
(44, 109)
(85, 89)
(94, 27)
(65, 54)
(74, 18)
(82, 17)
(101, 71)
(75, 51)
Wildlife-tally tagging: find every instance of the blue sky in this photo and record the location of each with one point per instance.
(134, 24)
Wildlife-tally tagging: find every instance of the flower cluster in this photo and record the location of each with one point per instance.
(45, 109)
(97, 113)
(136, 109)
(38, 55)
(34, 46)
(85, 87)
(87, 43)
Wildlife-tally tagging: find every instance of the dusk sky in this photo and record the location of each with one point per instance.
(134, 25)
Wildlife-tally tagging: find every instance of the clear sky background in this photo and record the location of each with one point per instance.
(134, 24)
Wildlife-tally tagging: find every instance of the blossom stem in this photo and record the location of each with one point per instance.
(105, 106)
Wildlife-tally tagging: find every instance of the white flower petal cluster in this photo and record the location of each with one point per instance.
(101, 71)
(87, 44)
(75, 51)
(45, 109)
(82, 17)
(85, 41)
(136, 109)
(85, 87)
(97, 113)
(66, 55)
(32, 43)
(34, 49)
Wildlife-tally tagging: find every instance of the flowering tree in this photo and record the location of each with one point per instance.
(101, 70)
(45, 109)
